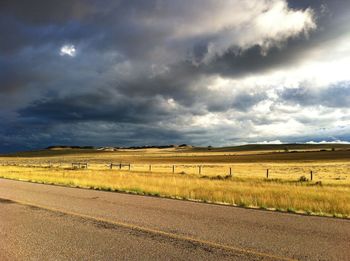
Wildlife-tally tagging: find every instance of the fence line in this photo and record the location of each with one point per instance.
(225, 170)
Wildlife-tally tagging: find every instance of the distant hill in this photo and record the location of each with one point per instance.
(294, 147)
(277, 147)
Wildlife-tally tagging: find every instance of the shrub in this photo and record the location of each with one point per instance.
(303, 179)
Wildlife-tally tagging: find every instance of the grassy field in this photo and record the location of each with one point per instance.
(203, 175)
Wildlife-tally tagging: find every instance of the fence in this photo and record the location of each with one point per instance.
(78, 165)
(266, 171)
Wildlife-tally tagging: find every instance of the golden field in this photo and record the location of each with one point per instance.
(203, 175)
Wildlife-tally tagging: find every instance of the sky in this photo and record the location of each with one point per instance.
(156, 72)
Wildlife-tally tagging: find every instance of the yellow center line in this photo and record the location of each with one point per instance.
(155, 231)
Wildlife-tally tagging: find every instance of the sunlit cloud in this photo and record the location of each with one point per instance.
(68, 50)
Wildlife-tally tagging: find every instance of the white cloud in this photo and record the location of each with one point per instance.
(270, 142)
(328, 142)
(68, 50)
(223, 24)
(268, 24)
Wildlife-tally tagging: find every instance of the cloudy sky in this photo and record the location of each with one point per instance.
(203, 72)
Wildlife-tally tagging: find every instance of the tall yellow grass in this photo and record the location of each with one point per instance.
(328, 198)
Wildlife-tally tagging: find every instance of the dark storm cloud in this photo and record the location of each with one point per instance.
(135, 71)
(240, 102)
(40, 12)
(99, 107)
(333, 96)
(239, 63)
(38, 22)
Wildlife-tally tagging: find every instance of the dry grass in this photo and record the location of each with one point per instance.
(248, 189)
(327, 194)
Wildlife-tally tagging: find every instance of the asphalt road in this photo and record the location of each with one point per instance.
(43, 222)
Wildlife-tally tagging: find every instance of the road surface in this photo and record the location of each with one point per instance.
(44, 222)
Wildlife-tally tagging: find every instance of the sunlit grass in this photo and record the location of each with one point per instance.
(327, 198)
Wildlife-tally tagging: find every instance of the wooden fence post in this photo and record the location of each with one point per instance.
(173, 169)
(200, 170)
(230, 172)
(150, 168)
(311, 176)
(267, 173)
(129, 166)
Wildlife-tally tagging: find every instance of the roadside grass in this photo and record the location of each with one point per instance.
(289, 195)
(327, 172)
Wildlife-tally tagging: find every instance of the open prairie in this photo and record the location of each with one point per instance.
(313, 179)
